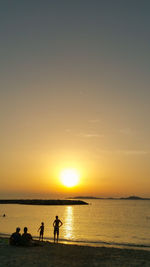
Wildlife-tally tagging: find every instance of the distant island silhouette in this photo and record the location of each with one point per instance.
(113, 198)
(42, 202)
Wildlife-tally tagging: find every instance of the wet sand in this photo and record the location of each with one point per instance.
(49, 254)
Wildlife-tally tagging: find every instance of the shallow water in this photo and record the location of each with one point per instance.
(103, 222)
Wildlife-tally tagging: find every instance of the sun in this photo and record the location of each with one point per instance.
(69, 177)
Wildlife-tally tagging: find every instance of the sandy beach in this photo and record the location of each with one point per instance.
(49, 254)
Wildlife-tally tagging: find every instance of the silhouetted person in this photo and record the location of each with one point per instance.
(57, 224)
(26, 238)
(15, 239)
(41, 229)
(4, 215)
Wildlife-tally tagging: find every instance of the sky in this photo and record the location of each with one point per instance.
(74, 93)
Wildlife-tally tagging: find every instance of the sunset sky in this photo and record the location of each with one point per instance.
(74, 94)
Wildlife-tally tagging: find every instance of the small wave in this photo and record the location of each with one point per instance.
(4, 235)
(104, 243)
(101, 243)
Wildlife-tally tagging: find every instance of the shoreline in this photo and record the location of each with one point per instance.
(49, 254)
(88, 244)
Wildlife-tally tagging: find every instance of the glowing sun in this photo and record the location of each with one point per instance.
(69, 177)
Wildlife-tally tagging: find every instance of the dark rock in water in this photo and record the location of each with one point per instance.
(42, 202)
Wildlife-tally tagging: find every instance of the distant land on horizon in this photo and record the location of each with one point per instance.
(113, 198)
(43, 202)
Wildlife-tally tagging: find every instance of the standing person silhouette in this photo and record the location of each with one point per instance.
(57, 224)
(41, 229)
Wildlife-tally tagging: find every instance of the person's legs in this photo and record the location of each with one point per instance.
(54, 235)
(57, 236)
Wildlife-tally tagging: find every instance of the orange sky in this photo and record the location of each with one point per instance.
(74, 94)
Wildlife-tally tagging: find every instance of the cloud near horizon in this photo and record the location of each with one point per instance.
(91, 135)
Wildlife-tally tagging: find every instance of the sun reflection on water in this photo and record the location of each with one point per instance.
(68, 223)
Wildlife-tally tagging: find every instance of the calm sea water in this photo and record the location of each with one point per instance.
(103, 222)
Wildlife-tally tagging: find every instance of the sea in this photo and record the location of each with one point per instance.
(115, 223)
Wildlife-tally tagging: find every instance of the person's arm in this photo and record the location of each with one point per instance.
(11, 240)
(60, 223)
(54, 224)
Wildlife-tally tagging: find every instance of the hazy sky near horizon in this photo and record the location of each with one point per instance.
(74, 92)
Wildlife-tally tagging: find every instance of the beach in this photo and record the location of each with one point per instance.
(49, 254)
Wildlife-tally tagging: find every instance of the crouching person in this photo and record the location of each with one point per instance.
(16, 239)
